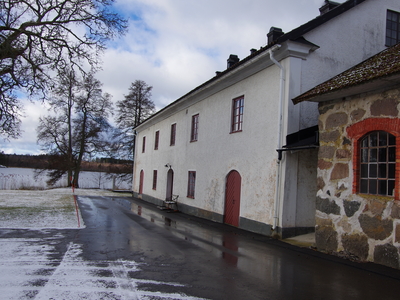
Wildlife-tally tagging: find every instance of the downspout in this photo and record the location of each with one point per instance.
(279, 146)
(134, 161)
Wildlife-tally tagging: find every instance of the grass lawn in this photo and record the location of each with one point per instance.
(53, 208)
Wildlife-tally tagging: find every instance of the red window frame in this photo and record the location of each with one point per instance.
(155, 179)
(358, 131)
(191, 184)
(156, 140)
(144, 144)
(237, 114)
(195, 128)
(173, 135)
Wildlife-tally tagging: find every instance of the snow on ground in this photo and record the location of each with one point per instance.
(30, 269)
(53, 208)
(29, 272)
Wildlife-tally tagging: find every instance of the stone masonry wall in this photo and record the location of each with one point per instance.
(364, 226)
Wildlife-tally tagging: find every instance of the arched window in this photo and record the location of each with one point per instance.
(377, 163)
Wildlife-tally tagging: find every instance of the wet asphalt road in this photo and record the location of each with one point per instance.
(146, 253)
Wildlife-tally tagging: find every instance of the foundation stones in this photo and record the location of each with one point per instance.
(326, 238)
(357, 245)
(387, 255)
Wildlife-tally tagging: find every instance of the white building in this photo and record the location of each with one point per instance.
(216, 147)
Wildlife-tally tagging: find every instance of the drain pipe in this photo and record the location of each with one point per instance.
(278, 163)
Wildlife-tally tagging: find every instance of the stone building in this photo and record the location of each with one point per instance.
(235, 149)
(358, 199)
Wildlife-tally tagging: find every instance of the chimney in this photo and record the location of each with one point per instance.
(233, 59)
(328, 6)
(273, 34)
(252, 51)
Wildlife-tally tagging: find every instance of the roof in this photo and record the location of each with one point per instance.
(381, 69)
(294, 35)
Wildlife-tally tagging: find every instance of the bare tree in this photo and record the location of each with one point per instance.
(77, 132)
(40, 36)
(136, 107)
(131, 111)
(93, 108)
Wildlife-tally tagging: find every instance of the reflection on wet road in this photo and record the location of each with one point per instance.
(216, 261)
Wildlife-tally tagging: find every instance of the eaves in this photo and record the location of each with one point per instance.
(242, 70)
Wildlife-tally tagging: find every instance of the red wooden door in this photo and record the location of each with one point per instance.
(141, 182)
(232, 198)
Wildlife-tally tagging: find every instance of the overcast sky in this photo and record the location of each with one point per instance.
(176, 45)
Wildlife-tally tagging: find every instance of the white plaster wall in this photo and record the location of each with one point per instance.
(251, 152)
(297, 201)
(346, 40)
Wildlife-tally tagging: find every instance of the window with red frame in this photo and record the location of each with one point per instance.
(377, 163)
(195, 128)
(237, 114)
(191, 184)
(173, 135)
(156, 140)
(154, 179)
(144, 144)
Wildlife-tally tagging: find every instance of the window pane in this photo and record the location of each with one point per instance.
(392, 171)
(382, 187)
(364, 171)
(373, 171)
(382, 138)
(364, 155)
(382, 154)
(392, 154)
(373, 155)
(372, 186)
(390, 187)
(382, 171)
(364, 186)
(373, 139)
(364, 142)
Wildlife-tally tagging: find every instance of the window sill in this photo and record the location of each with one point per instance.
(235, 131)
(376, 197)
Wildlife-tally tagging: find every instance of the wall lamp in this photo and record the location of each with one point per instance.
(168, 165)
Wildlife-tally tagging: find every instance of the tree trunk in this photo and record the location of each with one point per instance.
(81, 149)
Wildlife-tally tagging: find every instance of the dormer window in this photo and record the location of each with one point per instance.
(392, 28)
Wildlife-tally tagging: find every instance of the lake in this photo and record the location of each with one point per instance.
(23, 178)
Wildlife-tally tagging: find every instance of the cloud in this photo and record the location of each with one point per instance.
(26, 144)
(176, 45)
